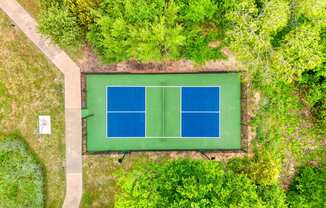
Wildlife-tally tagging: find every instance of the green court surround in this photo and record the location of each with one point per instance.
(163, 112)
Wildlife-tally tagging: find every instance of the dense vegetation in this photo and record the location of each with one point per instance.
(283, 46)
(21, 176)
(155, 30)
(308, 188)
(186, 183)
(191, 183)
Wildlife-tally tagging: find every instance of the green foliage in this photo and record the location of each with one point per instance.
(155, 30)
(21, 177)
(308, 188)
(45, 4)
(314, 84)
(301, 50)
(82, 10)
(272, 196)
(197, 11)
(263, 169)
(135, 30)
(186, 183)
(58, 24)
(279, 42)
(274, 16)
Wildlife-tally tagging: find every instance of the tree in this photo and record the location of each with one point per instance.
(58, 24)
(155, 30)
(308, 188)
(184, 184)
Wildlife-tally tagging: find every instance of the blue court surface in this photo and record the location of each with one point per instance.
(125, 112)
(199, 112)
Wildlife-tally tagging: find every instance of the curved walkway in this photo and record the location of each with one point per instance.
(72, 93)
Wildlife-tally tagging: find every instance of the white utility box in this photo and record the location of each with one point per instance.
(44, 124)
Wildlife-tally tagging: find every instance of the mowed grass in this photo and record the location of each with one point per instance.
(31, 86)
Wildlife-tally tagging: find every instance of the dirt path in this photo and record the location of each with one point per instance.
(73, 131)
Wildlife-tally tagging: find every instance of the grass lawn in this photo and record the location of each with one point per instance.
(30, 86)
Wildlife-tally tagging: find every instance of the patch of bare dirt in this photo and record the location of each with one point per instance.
(158, 155)
(289, 168)
(91, 64)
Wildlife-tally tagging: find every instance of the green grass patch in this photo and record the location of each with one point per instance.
(21, 175)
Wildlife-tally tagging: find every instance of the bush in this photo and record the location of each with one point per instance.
(314, 84)
(308, 188)
(272, 196)
(45, 4)
(21, 177)
(186, 183)
(58, 24)
(82, 10)
(263, 169)
(155, 30)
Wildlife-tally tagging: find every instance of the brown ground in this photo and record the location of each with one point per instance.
(91, 64)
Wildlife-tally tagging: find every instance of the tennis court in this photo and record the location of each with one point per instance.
(163, 112)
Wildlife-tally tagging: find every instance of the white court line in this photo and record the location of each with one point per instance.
(158, 137)
(145, 133)
(180, 113)
(161, 86)
(126, 111)
(200, 111)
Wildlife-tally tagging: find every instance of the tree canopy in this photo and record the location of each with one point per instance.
(186, 183)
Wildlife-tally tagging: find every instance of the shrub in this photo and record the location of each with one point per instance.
(314, 84)
(263, 169)
(21, 177)
(45, 4)
(186, 183)
(58, 24)
(82, 10)
(272, 196)
(308, 188)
